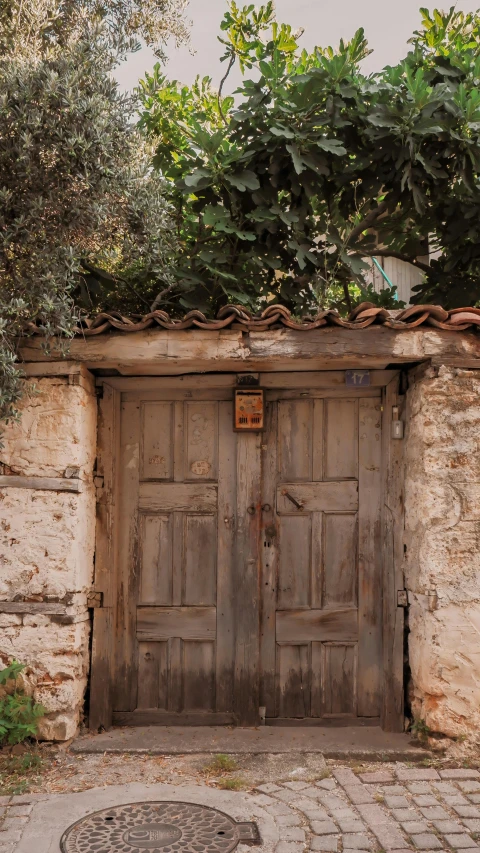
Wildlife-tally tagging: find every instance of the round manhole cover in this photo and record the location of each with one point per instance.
(166, 827)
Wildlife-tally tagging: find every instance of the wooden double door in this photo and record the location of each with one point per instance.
(249, 570)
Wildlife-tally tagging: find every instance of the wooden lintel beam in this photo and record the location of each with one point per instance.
(51, 484)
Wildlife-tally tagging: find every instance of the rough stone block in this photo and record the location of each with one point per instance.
(396, 802)
(469, 787)
(345, 776)
(293, 833)
(358, 794)
(356, 842)
(444, 826)
(435, 813)
(268, 788)
(323, 827)
(377, 776)
(459, 773)
(416, 774)
(459, 841)
(349, 825)
(467, 811)
(414, 827)
(289, 847)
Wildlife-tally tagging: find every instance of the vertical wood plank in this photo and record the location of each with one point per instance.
(339, 679)
(295, 439)
(318, 561)
(156, 441)
(293, 680)
(152, 672)
(101, 696)
(226, 591)
(178, 560)
(175, 674)
(340, 531)
(178, 442)
(246, 685)
(126, 671)
(200, 559)
(201, 440)
(318, 440)
(294, 562)
(156, 537)
(341, 439)
(370, 559)
(199, 675)
(269, 561)
(393, 579)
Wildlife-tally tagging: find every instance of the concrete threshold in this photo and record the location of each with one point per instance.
(370, 744)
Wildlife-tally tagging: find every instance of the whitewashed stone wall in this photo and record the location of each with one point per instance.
(442, 492)
(47, 546)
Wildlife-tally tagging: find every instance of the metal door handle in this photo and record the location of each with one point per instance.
(251, 510)
(292, 499)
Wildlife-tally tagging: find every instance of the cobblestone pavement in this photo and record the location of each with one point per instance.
(404, 809)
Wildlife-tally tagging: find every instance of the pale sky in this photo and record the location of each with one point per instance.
(387, 23)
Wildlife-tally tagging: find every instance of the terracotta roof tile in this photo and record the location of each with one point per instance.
(365, 315)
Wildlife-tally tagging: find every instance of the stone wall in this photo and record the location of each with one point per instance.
(442, 492)
(47, 546)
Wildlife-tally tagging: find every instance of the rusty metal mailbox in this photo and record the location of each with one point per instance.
(249, 409)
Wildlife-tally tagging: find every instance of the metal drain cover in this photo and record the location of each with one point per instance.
(164, 826)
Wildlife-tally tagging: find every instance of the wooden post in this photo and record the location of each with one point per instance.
(393, 580)
(100, 714)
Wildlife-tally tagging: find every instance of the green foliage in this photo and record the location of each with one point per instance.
(285, 191)
(81, 211)
(19, 714)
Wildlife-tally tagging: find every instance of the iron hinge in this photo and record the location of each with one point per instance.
(94, 599)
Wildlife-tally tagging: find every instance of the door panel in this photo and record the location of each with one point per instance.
(249, 568)
(321, 581)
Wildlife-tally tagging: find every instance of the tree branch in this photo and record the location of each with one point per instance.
(367, 222)
(222, 81)
(156, 302)
(385, 253)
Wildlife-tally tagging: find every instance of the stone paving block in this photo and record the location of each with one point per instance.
(4, 800)
(435, 813)
(311, 792)
(316, 814)
(358, 794)
(293, 833)
(349, 825)
(460, 841)
(444, 826)
(344, 813)
(424, 800)
(420, 787)
(374, 815)
(460, 773)
(284, 796)
(414, 827)
(396, 802)
(303, 803)
(472, 825)
(467, 811)
(268, 788)
(326, 784)
(356, 842)
(331, 800)
(7, 848)
(378, 776)
(406, 814)
(397, 790)
(455, 799)
(345, 776)
(328, 843)
(426, 841)
(3, 810)
(389, 837)
(323, 827)
(445, 787)
(12, 823)
(474, 798)
(10, 835)
(469, 787)
(287, 820)
(289, 847)
(264, 800)
(416, 774)
(278, 809)
(296, 786)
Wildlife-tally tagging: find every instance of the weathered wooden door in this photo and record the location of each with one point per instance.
(321, 615)
(248, 565)
(187, 558)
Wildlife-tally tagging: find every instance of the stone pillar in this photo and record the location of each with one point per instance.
(47, 542)
(442, 494)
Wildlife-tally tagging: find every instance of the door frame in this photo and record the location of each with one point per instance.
(106, 546)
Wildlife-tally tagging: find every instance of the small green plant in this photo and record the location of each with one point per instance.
(323, 774)
(234, 783)
(19, 714)
(220, 764)
(420, 730)
(18, 772)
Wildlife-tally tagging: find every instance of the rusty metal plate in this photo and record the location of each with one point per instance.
(163, 826)
(249, 409)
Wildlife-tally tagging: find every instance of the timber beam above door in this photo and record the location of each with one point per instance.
(219, 382)
(155, 352)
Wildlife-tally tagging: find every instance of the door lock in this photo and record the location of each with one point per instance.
(294, 501)
(266, 507)
(251, 510)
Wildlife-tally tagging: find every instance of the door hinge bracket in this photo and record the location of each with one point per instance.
(94, 599)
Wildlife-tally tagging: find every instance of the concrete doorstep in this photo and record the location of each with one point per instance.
(369, 743)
